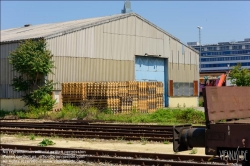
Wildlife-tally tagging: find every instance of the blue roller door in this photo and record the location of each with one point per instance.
(152, 69)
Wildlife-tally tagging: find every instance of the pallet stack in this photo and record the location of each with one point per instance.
(120, 97)
(142, 97)
(74, 91)
(151, 89)
(159, 95)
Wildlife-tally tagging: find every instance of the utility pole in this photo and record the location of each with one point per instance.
(199, 27)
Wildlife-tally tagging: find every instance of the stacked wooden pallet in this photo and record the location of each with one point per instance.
(120, 97)
(74, 91)
(159, 95)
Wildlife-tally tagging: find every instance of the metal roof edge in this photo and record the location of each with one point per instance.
(107, 20)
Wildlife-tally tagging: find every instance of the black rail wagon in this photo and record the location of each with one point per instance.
(227, 132)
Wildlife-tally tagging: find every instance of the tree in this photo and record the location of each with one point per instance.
(33, 62)
(240, 76)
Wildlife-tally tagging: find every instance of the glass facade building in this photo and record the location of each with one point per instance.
(222, 56)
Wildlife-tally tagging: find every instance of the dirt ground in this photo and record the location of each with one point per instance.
(121, 145)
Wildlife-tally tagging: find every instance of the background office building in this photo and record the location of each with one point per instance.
(222, 56)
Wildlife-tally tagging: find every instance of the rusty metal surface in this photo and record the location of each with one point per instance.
(222, 103)
(227, 136)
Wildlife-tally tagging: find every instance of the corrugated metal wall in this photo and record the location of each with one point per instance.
(125, 38)
(72, 69)
(6, 73)
(112, 48)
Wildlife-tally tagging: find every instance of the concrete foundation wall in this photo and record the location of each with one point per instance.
(183, 101)
(11, 104)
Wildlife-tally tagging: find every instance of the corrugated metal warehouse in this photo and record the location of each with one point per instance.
(122, 47)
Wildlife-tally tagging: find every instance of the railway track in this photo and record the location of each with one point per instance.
(111, 157)
(90, 130)
(86, 129)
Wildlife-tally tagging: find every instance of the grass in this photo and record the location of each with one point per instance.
(160, 116)
(20, 135)
(193, 151)
(120, 138)
(166, 142)
(32, 137)
(46, 142)
(144, 140)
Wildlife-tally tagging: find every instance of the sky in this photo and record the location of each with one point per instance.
(221, 21)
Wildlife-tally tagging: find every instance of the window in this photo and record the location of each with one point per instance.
(224, 65)
(209, 48)
(237, 47)
(247, 46)
(222, 48)
(225, 58)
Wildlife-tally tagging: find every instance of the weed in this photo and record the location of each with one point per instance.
(32, 137)
(19, 135)
(129, 142)
(166, 142)
(120, 138)
(193, 151)
(184, 105)
(164, 115)
(46, 142)
(144, 140)
(21, 114)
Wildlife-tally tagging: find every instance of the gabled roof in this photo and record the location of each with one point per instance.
(56, 29)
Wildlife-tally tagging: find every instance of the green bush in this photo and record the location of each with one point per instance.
(68, 112)
(21, 114)
(190, 116)
(46, 142)
(160, 116)
(4, 113)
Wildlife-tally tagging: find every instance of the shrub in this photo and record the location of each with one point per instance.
(46, 142)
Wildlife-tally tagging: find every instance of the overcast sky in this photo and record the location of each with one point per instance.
(221, 21)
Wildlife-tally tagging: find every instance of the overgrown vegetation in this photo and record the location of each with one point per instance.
(240, 76)
(33, 62)
(46, 142)
(161, 116)
(4, 113)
